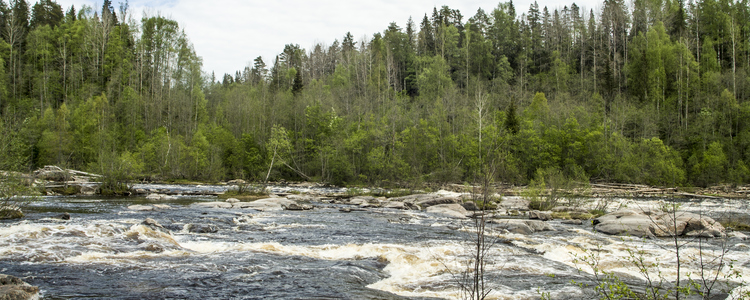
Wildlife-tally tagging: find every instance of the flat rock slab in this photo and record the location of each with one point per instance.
(453, 210)
(647, 223)
(522, 226)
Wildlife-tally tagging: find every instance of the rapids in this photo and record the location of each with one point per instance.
(106, 252)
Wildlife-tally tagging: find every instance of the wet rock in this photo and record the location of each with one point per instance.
(233, 200)
(362, 200)
(573, 222)
(153, 224)
(64, 216)
(13, 288)
(159, 197)
(202, 228)
(470, 205)
(139, 207)
(216, 204)
(350, 209)
(540, 215)
(522, 226)
(161, 206)
(395, 205)
(296, 206)
(737, 235)
(436, 201)
(453, 210)
(268, 204)
(656, 223)
(154, 248)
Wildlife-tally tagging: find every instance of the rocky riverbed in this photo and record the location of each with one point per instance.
(322, 242)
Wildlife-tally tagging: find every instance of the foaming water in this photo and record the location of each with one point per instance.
(105, 251)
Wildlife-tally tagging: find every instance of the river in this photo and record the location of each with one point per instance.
(104, 251)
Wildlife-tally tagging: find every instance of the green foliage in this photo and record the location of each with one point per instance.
(14, 192)
(634, 102)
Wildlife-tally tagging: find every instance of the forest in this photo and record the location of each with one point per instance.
(651, 92)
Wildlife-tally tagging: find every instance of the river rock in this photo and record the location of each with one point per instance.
(737, 235)
(267, 204)
(470, 205)
(202, 228)
(64, 216)
(216, 204)
(522, 226)
(436, 201)
(360, 200)
(453, 210)
(540, 215)
(395, 205)
(13, 288)
(236, 182)
(139, 207)
(297, 207)
(160, 197)
(152, 223)
(233, 200)
(573, 222)
(656, 223)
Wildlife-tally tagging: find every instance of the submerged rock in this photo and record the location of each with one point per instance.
(202, 228)
(13, 288)
(645, 223)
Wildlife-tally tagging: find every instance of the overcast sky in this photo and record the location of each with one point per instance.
(229, 34)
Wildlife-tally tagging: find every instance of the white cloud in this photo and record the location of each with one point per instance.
(229, 34)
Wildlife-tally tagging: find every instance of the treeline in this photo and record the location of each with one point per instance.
(657, 95)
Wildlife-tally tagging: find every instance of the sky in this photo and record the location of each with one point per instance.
(230, 34)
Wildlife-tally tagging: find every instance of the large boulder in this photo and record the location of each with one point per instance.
(297, 207)
(202, 228)
(159, 197)
(540, 215)
(647, 223)
(395, 205)
(521, 226)
(425, 203)
(267, 204)
(453, 210)
(13, 288)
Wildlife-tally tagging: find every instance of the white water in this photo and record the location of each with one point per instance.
(415, 268)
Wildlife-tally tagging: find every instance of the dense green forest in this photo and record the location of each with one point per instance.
(656, 93)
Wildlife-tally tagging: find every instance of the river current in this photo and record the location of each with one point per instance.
(105, 251)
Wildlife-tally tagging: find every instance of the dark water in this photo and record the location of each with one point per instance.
(104, 252)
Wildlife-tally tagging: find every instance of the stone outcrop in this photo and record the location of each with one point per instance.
(13, 288)
(647, 223)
